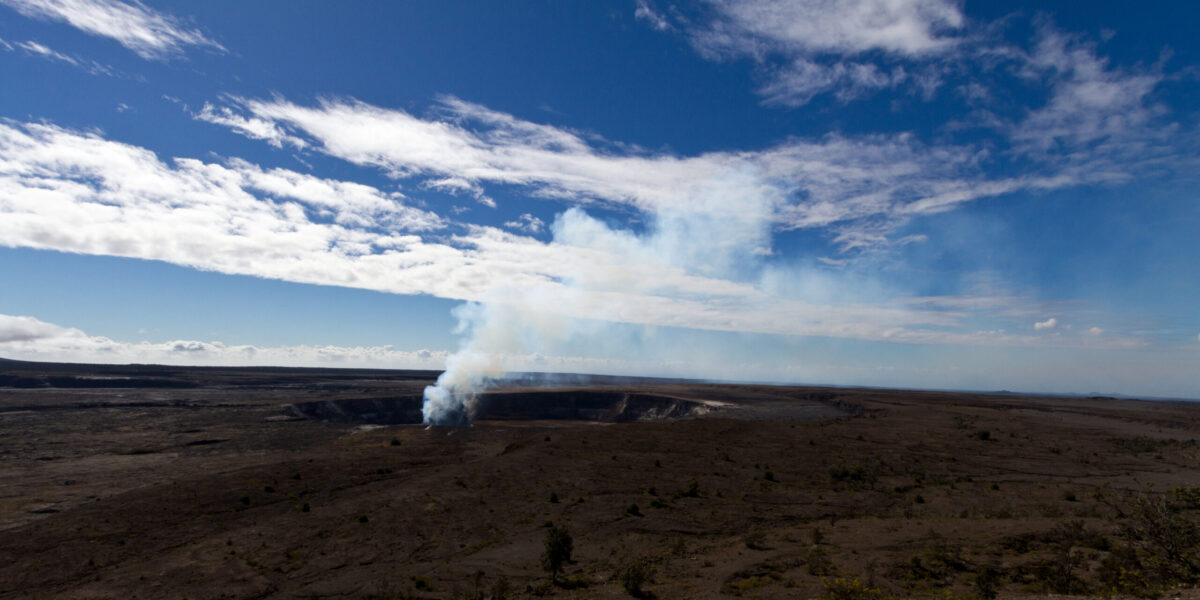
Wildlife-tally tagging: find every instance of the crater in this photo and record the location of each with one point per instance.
(601, 406)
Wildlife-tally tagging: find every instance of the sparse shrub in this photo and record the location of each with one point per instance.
(817, 562)
(754, 577)
(919, 499)
(1077, 533)
(983, 435)
(1186, 498)
(576, 581)
(476, 585)
(633, 511)
(500, 589)
(1121, 572)
(422, 582)
(395, 441)
(1168, 540)
(557, 550)
(363, 519)
(1143, 443)
(634, 575)
(852, 475)
(913, 570)
(769, 475)
(848, 588)
(755, 539)
(656, 503)
(1060, 574)
(553, 498)
(816, 536)
(1069, 496)
(691, 491)
(987, 582)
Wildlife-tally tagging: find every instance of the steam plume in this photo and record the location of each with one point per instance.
(718, 227)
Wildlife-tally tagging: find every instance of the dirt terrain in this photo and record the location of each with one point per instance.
(166, 482)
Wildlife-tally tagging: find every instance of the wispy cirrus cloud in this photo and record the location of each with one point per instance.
(37, 49)
(1098, 118)
(1065, 114)
(526, 222)
(648, 13)
(251, 127)
(1086, 116)
(811, 47)
(145, 31)
(33, 48)
(815, 183)
(905, 27)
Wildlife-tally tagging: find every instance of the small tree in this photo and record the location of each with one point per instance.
(558, 547)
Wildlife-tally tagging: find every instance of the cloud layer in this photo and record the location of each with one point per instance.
(697, 266)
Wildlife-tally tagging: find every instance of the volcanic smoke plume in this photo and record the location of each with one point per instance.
(694, 242)
(508, 324)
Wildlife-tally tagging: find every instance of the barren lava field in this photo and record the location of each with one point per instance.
(167, 482)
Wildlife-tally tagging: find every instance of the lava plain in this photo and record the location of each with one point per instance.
(170, 482)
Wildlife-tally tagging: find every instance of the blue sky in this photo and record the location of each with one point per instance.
(921, 193)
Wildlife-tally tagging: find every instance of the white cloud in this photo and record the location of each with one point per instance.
(526, 222)
(253, 128)
(805, 183)
(459, 185)
(77, 192)
(797, 83)
(646, 12)
(39, 50)
(905, 27)
(26, 329)
(1095, 113)
(1094, 331)
(813, 47)
(62, 344)
(149, 33)
(27, 338)
(1099, 123)
(1048, 324)
(35, 48)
